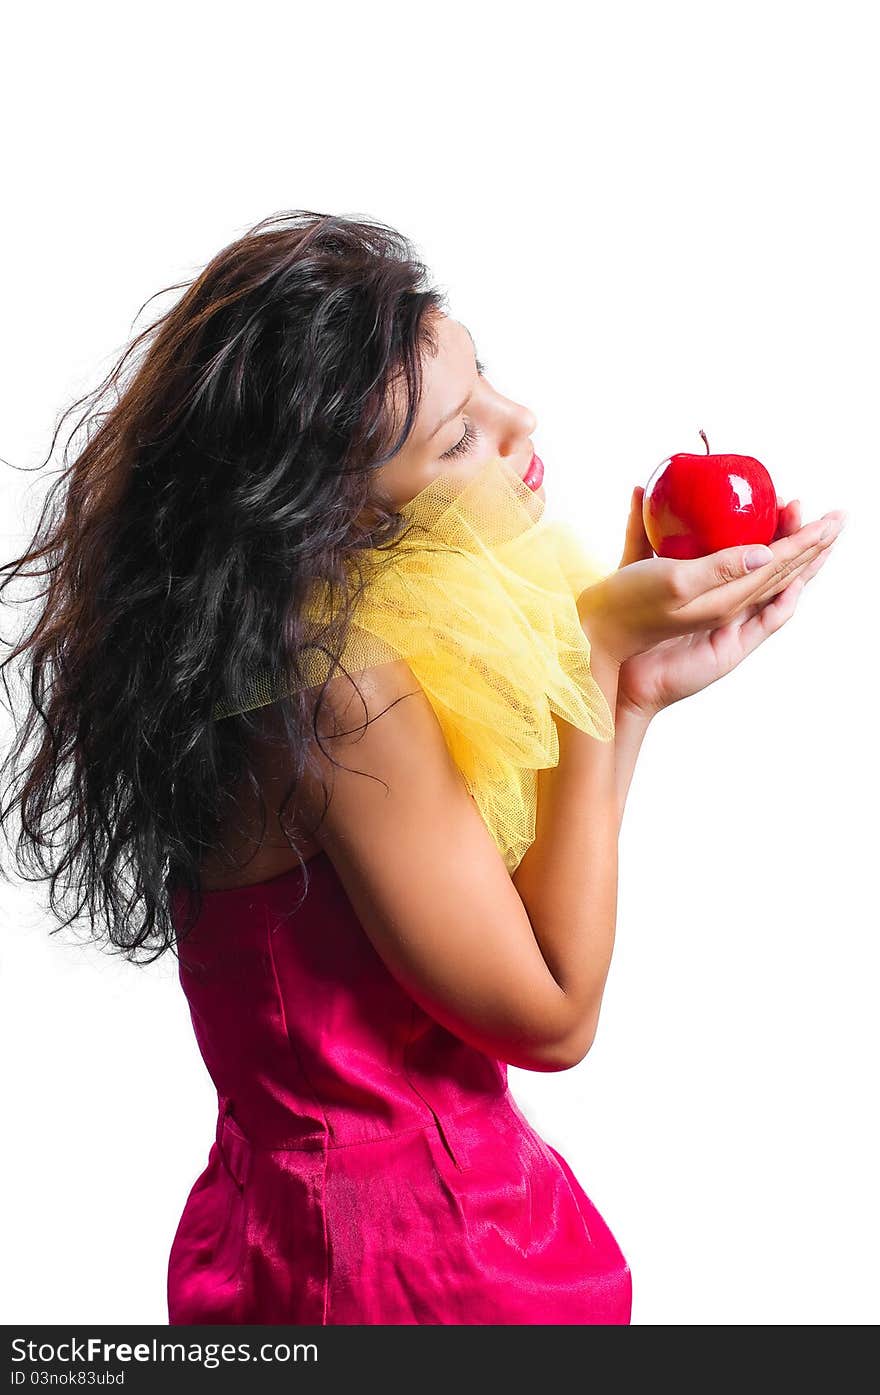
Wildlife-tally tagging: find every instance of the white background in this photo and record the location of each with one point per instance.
(662, 221)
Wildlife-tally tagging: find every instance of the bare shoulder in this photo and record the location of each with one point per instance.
(353, 701)
(377, 717)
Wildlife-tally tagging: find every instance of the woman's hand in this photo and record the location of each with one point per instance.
(731, 611)
(653, 599)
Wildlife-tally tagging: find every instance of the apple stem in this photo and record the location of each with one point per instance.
(703, 434)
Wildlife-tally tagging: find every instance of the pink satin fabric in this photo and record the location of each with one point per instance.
(368, 1165)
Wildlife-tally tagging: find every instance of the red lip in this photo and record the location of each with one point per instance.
(534, 475)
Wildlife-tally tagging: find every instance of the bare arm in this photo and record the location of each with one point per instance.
(630, 728)
(514, 965)
(568, 877)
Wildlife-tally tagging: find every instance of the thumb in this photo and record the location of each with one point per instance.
(636, 546)
(755, 557)
(730, 564)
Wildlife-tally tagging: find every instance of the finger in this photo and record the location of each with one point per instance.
(788, 520)
(760, 622)
(629, 540)
(783, 576)
(771, 616)
(806, 574)
(721, 583)
(816, 565)
(636, 548)
(777, 582)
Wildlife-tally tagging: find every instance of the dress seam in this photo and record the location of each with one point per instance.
(326, 1140)
(378, 1138)
(435, 1120)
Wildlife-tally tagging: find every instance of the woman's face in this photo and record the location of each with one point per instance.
(462, 422)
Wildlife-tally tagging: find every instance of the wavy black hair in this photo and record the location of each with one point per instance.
(225, 465)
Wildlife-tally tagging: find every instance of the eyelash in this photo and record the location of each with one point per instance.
(463, 445)
(467, 440)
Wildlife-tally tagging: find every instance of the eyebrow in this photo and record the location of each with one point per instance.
(462, 405)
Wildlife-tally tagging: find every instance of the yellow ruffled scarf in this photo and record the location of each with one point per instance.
(479, 597)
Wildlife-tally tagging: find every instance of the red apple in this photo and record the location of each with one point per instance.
(696, 504)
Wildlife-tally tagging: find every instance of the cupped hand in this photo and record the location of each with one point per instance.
(727, 620)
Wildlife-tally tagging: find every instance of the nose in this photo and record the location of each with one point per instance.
(520, 424)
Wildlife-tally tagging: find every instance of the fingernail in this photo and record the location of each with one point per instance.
(757, 557)
(834, 525)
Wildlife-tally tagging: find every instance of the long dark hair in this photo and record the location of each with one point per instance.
(227, 460)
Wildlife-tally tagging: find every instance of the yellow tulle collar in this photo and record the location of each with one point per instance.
(479, 597)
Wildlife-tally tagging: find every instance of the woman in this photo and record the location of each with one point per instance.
(366, 938)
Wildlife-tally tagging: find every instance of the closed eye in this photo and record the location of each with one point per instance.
(470, 435)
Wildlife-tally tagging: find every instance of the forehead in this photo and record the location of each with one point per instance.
(453, 338)
(446, 376)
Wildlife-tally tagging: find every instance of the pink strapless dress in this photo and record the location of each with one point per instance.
(368, 1165)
